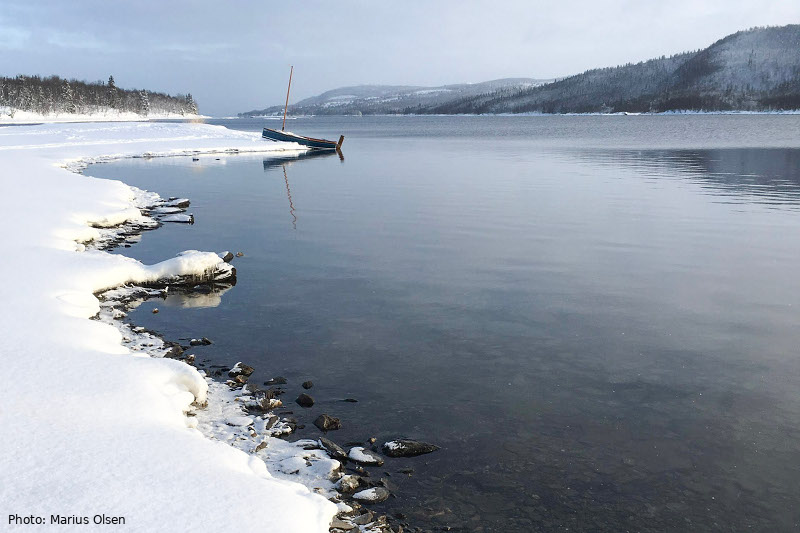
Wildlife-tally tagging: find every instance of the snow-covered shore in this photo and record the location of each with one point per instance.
(89, 427)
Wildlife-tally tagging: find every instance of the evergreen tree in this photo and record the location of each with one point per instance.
(144, 103)
(67, 98)
(191, 105)
(112, 99)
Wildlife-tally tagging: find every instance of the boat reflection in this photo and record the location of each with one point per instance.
(280, 160)
(284, 161)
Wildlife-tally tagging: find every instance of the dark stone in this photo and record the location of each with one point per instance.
(239, 254)
(174, 351)
(203, 341)
(240, 369)
(327, 422)
(370, 457)
(177, 202)
(280, 380)
(378, 494)
(333, 449)
(228, 257)
(304, 400)
(407, 448)
(308, 384)
(271, 421)
(263, 399)
(350, 400)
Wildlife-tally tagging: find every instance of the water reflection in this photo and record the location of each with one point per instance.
(280, 160)
(755, 175)
(197, 297)
(289, 195)
(200, 297)
(284, 161)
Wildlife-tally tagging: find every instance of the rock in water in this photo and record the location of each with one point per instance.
(349, 483)
(333, 449)
(308, 384)
(240, 369)
(226, 256)
(178, 202)
(361, 455)
(279, 380)
(304, 400)
(373, 495)
(327, 423)
(407, 448)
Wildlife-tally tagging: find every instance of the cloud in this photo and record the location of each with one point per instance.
(77, 40)
(13, 38)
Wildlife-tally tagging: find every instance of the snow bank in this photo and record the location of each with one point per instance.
(88, 426)
(7, 116)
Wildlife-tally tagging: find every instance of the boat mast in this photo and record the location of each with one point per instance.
(287, 98)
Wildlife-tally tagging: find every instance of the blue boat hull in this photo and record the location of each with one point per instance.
(317, 144)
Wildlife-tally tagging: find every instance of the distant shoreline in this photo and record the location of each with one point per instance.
(621, 113)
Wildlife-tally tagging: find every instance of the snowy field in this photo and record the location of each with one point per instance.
(90, 427)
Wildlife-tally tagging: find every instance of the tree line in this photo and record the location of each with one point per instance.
(55, 95)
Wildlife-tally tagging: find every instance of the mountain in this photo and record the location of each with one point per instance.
(752, 70)
(757, 69)
(394, 99)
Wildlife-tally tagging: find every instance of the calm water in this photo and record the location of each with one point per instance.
(597, 318)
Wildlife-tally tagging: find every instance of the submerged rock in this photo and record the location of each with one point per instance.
(373, 495)
(179, 218)
(304, 400)
(407, 448)
(327, 422)
(363, 456)
(279, 380)
(308, 384)
(333, 449)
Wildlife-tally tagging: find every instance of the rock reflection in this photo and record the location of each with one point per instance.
(199, 297)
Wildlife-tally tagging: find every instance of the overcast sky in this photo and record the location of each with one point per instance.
(234, 55)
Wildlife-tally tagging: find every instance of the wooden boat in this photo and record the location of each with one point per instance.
(317, 144)
(286, 136)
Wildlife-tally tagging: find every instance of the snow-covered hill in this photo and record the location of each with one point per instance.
(757, 69)
(382, 99)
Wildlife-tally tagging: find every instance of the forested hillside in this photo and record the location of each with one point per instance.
(56, 96)
(753, 70)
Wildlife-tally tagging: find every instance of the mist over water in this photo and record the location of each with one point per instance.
(596, 318)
